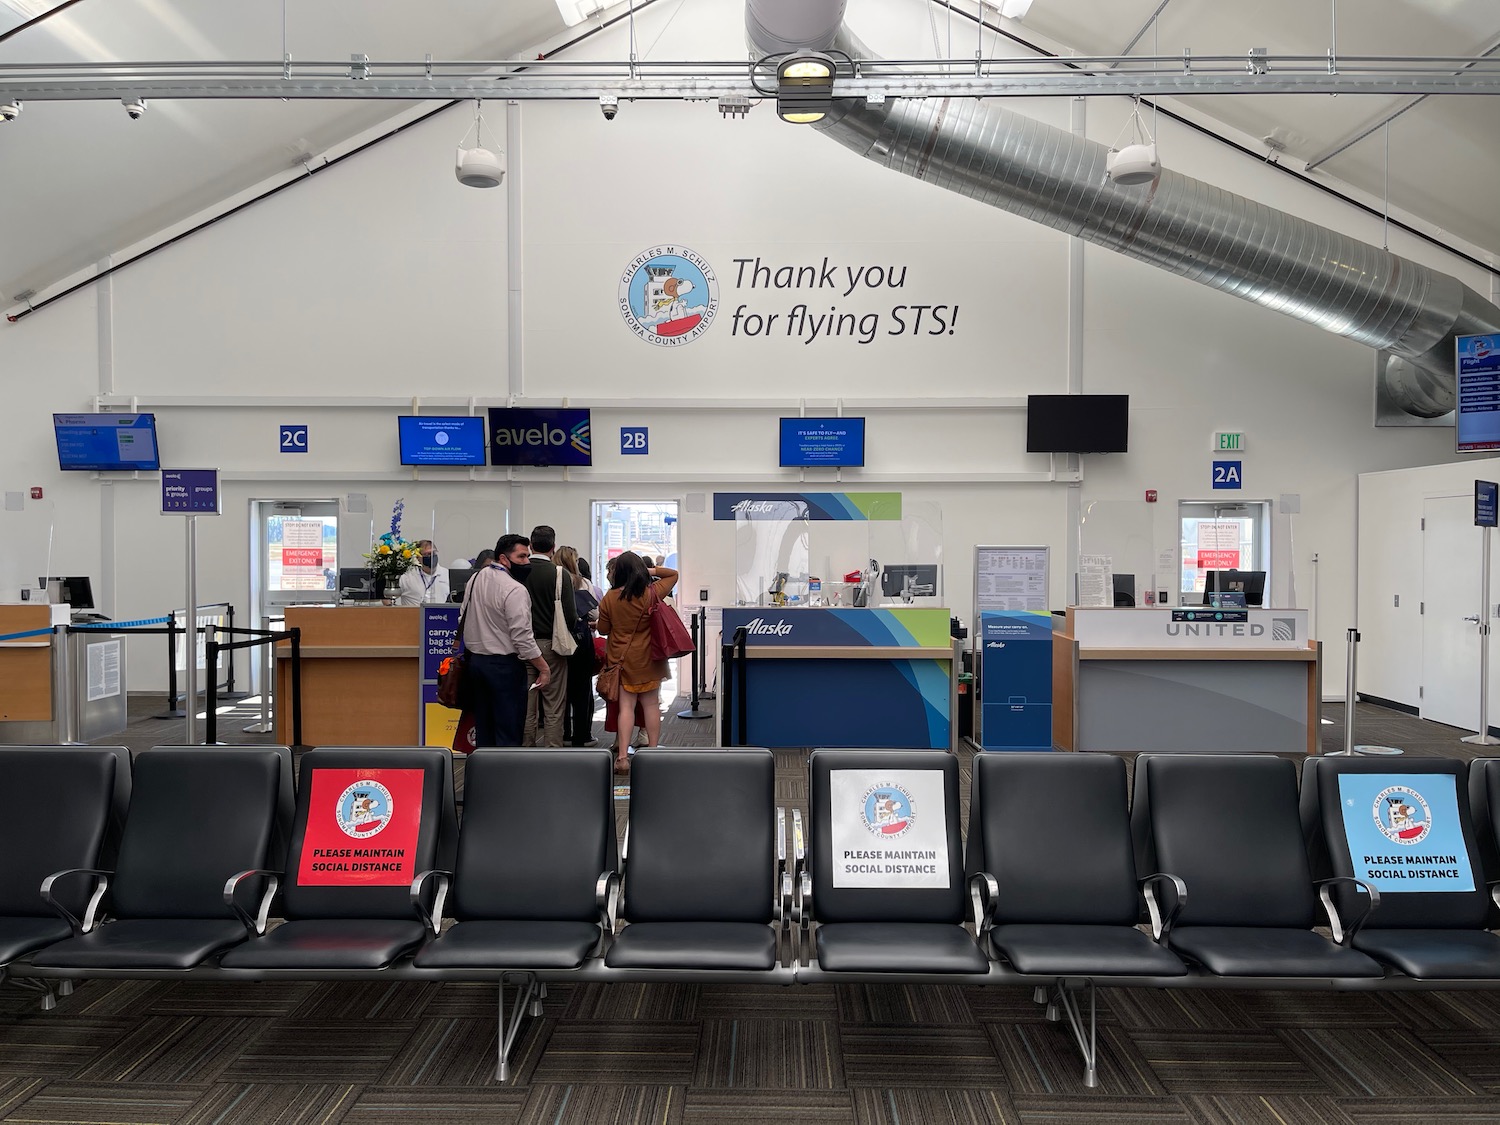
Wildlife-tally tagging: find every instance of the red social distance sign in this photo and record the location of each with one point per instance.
(362, 828)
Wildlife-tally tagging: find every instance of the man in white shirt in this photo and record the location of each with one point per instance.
(425, 584)
(498, 636)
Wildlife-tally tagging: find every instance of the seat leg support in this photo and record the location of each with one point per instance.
(49, 996)
(65, 987)
(1039, 994)
(538, 995)
(1087, 1037)
(508, 1030)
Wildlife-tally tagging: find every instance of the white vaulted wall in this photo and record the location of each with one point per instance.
(383, 279)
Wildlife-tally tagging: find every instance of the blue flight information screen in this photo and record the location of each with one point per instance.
(442, 441)
(1478, 423)
(106, 443)
(834, 442)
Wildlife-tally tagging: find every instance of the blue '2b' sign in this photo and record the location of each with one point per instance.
(1227, 474)
(634, 440)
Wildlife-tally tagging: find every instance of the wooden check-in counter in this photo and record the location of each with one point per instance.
(26, 693)
(361, 675)
(1152, 680)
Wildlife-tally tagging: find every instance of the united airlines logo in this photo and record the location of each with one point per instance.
(669, 295)
(1283, 628)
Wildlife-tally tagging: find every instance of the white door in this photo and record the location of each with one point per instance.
(1450, 612)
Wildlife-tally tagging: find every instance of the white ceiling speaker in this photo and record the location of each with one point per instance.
(1136, 163)
(478, 167)
(1133, 164)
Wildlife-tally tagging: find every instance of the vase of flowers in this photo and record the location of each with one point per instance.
(391, 555)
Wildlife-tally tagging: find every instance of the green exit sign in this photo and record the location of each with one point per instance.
(1228, 442)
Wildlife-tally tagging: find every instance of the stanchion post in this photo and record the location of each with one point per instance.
(1484, 738)
(171, 665)
(211, 693)
(741, 636)
(726, 705)
(190, 619)
(266, 676)
(296, 673)
(1351, 690)
(702, 658)
(693, 711)
(229, 676)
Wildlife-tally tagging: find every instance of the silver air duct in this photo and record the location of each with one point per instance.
(1190, 228)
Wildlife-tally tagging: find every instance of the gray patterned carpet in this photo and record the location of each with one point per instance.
(215, 1054)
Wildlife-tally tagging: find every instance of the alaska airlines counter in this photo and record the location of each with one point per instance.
(1188, 679)
(361, 675)
(845, 677)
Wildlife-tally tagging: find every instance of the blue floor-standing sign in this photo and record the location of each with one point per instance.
(1016, 680)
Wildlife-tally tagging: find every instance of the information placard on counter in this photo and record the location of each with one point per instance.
(1015, 680)
(437, 724)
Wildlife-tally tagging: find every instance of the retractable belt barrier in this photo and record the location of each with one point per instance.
(258, 637)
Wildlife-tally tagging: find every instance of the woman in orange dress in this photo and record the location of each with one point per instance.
(625, 618)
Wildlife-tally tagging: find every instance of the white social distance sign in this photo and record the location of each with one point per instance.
(889, 828)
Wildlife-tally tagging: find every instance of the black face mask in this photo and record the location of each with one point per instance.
(520, 571)
(429, 560)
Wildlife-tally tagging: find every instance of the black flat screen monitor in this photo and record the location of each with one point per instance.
(923, 576)
(356, 583)
(430, 440)
(458, 578)
(77, 591)
(831, 442)
(1124, 591)
(1077, 423)
(106, 443)
(1250, 583)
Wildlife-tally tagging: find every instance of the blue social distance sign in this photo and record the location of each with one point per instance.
(1403, 831)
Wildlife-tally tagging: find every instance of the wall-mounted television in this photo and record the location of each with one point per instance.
(829, 442)
(433, 440)
(106, 443)
(1477, 423)
(1077, 423)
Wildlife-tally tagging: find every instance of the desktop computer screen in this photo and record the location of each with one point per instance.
(76, 591)
(1250, 583)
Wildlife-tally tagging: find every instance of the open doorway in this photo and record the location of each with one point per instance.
(647, 527)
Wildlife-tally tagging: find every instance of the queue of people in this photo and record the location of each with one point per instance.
(525, 686)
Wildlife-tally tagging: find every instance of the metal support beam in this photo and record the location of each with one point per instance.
(1145, 27)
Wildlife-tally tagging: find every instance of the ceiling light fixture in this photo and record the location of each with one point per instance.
(1135, 163)
(478, 167)
(804, 87)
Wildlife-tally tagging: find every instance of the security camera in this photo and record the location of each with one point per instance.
(609, 105)
(9, 111)
(134, 106)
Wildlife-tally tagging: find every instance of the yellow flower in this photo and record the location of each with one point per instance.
(406, 553)
(385, 548)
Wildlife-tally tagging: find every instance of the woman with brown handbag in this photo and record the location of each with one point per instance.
(625, 618)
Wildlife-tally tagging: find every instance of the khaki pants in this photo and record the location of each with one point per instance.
(551, 700)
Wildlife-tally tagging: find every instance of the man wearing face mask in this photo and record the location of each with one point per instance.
(427, 583)
(497, 635)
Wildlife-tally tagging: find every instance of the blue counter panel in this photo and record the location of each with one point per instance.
(831, 702)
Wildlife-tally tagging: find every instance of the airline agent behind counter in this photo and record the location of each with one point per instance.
(426, 584)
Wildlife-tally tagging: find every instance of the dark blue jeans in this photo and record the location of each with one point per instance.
(495, 687)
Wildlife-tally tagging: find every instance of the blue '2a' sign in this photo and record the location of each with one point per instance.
(1227, 474)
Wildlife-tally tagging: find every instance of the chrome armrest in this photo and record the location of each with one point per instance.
(607, 899)
(803, 912)
(432, 917)
(90, 914)
(781, 891)
(984, 892)
(1342, 933)
(1494, 886)
(257, 924)
(1161, 924)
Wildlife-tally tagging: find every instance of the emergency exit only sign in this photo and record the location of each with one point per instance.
(1227, 441)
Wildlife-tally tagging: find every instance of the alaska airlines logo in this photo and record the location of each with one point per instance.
(668, 295)
(745, 507)
(759, 627)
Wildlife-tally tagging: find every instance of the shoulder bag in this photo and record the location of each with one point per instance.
(563, 643)
(669, 637)
(451, 671)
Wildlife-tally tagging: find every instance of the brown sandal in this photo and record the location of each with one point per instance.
(622, 767)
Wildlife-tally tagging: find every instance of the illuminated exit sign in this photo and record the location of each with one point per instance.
(1228, 442)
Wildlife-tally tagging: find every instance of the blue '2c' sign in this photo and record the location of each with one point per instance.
(634, 440)
(294, 439)
(1227, 474)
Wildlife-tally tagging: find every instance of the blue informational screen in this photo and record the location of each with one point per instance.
(834, 442)
(1404, 833)
(431, 440)
(1477, 427)
(105, 443)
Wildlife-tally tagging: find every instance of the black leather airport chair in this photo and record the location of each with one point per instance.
(1229, 827)
(702, 887)
(888, 809)
(368, 821)
(1051, 863)
(1484, 807)
(1407, 823)
(196, 816)
(536, 854)
(61, 807)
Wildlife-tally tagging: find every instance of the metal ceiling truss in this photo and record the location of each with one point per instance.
(548, 79)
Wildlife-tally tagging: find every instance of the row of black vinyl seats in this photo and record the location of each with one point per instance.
(204, 845)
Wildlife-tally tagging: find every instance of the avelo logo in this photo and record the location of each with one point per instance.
(540, 436)
(668, 295)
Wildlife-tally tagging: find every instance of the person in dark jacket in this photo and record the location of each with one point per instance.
(544, 709)
(578, 718)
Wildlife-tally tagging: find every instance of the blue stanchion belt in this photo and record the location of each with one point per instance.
(107, 626)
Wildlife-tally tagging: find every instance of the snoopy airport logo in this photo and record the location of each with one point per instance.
(669, 295)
